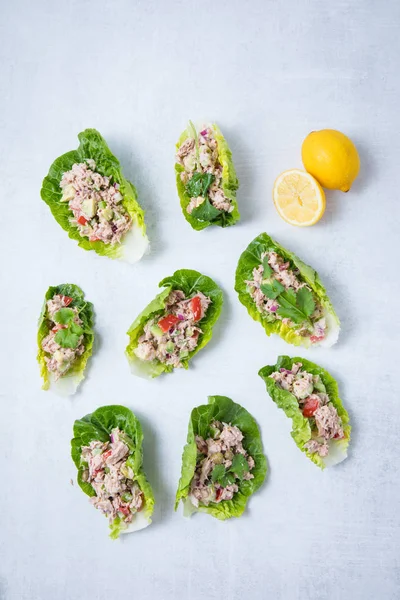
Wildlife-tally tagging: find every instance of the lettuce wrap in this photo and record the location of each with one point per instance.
(285, 295)
(69, 328)
(100, 426)
(206, 178)
(301, 402)
(93, 150)
(191, 284)
(223, 413)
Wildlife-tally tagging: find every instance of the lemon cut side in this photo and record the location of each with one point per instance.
(298, 198)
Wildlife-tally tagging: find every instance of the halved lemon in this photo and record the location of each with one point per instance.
(298, 198)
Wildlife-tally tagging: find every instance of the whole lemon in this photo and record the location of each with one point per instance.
(332, 158)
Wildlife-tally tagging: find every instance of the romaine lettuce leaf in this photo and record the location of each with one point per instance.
(98, 426)
(230, 183)
(135, 243)
(189, 282)
(221, 408)
(68, 383)
(250, 259)
(301, 430)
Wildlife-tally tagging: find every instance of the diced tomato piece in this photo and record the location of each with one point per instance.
(82, 220)
(66, 300)
(195, 307)
(125, 510)
(310, 407)
(58, 327)
(167, 322)
(316, 338)
(107, 454)
(218, 494)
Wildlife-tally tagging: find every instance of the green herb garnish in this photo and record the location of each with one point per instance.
(239, 466)
(69, 338)
(272, 289)
(297, 307)
(206, 211)
(198, 184)
(228, 479)
(64, 316)
(305, 301)
(237, 470)
(218, 473)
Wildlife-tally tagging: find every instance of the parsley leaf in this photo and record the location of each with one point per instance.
(272, 289)
(75, 328)
(267, 268)
(290, 309)
(305, 301)
(198, 185)
(240, 466)
(237, 470)
(67, 338)
(206, 211)
(218, 473)
(228, 479)
(64, 316)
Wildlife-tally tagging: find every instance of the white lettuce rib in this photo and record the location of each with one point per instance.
(134, 245)
(333, 329)
(139, 522)
(66, 385)
(337, 453)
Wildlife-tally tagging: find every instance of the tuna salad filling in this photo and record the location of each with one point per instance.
(279, 293)
(202, 175)
(169, 338)
(64, 342)
(315, 404)
(222, 463)
(108, 472)
(95, 202)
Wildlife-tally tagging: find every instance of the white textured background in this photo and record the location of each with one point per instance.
(268, 72)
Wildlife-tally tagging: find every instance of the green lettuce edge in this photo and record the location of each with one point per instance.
(98, 426)
(188, 281)
(223, 409)
(91, 145)
(230, 183)
(87, 316)
(301, 430)
(250, 258)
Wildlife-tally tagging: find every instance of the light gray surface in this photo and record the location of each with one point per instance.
(268, 73)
